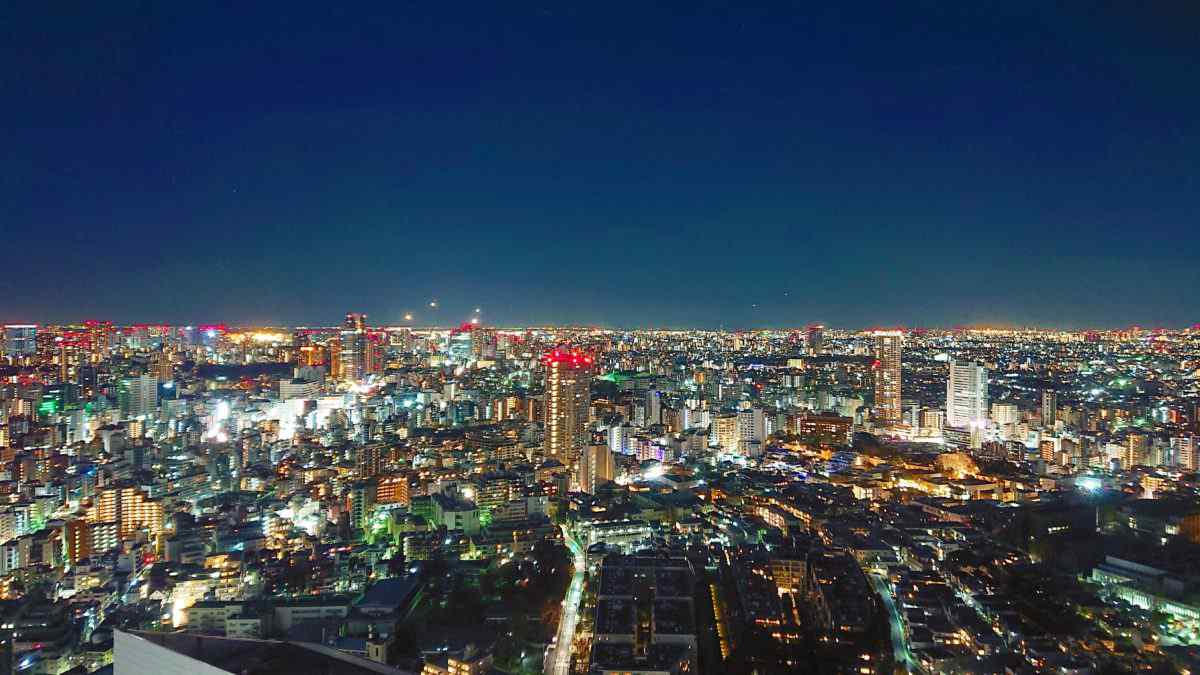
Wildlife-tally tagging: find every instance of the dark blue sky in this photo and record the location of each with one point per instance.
(610, 163)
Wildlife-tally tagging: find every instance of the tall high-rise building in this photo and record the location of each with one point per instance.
(164, 365)
(1049, 408)
(483, 343)
(568, 395)
(137, 396)
(1184, 450)
(889, 347)
(967, 395)
(353, 354)
(1136, 450)
(596, 467)
(373, 354)
(362, 502)
(356, 357)
(334, 348)
(618, 437)
(20, 340)
(653, 414)
(100, 335)
(65, 350)
(814, 339)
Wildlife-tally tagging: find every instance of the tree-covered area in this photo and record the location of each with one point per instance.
(514, 606)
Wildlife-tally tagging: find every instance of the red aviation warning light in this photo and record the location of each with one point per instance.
(574, 357)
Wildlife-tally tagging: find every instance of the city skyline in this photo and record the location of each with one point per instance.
(775, 327)
(834, 497)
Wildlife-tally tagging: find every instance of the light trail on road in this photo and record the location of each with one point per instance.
(900, 651)
(558, 661)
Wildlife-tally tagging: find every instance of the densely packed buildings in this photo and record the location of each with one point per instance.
(575, 500)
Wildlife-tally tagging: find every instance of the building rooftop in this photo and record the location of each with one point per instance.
(613, 656)
(249, 657)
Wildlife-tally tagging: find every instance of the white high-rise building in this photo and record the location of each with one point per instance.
(751, 425)
(967, 396)
(694, 418)
(1184, 452)
(138, 396)
(618, 438)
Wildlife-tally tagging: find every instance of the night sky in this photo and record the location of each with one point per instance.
(615, 164)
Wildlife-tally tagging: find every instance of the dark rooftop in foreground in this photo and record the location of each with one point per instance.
(260, 657)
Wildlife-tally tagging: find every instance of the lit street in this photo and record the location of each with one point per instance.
(558, 659)
(900, 651)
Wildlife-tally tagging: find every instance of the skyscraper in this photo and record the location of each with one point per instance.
(65, 350)
(355, 345)
(814, 339)
(653, 407)
(967, 395)
(483, 343)
(138, 396)
(100, 335)
(334, 347)
(1049, 408)
(164, 365)
(351, 357)
(20, 340)
(568, 395)
(889, 345)
(372, 353)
